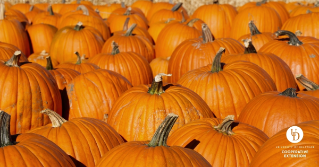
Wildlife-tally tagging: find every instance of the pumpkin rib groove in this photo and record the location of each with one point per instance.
(17, 150)
(269, 111)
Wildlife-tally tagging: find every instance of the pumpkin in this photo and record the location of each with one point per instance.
(265, 18)
(290, 6)
(272, 155)
(29, 149)
(136, 120)
(129, 43)
(156, 28)
(15, 14)
(26, 89)
(132, 66)
(278, 70)
(71, 7)
(258, 39)
(160, 65)
(62, 76)
(41, 36)
(12, 32)
(79, 135)
(165, 14)
(88, 3)
(94, 93)
(172, 35)
(195, 53)
(300, 57)
(22, 7)
(42, 6)
(153, 153)
(80, 11)
(48, 17)
(164, 5)
(228, 88)
(83, 39)
(33, 11)
(40, 58)
(106, 10)
(218, 17)
(58, 6)
(7, 50)
(239, 139)
(311, 87)
(303, 9)
(144, 5)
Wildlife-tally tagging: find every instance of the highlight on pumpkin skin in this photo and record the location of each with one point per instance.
(293, 39)
(14, 60)
(305, 82)
(157, 84)
(216, 66)
(225, 126)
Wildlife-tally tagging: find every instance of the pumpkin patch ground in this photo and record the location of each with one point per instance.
(159, 83)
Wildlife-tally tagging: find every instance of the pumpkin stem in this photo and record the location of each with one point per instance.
(183, 17)
(169, 20)
(170, 1)
(55, 118)
(14, 60)
(129, 32)
(115, 48)
(157, 84)
(49, 63)
(97, 11)
(293, 39)
(316, 4)
(105, 117)
(128, 11)
(2, 11)
(79, 61)
(253, 29)
(125, 26)
(207, 34)
(177, 6)
(5, 136)
(215, 2)
(225, 126)
(162, 132)
(217, 66)
(291, 92)
(78, 1)
(123, 5)
(63, 1)
(192, 22)
(309, 85)
(31, 8)
(50, 10)
(261, 2)
(298, 33)
(79, 26)
(84, 10)
(308, 11)
(249, 47)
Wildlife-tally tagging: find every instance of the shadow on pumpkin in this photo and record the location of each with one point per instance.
(77, 163)
(193, 144)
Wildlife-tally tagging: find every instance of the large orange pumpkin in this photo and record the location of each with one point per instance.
(48, 17)
(239, 139)
(22, 7)
(28, 149)
(165, 14)
(164, 5)
(303, 9)
(33, 11)
(160, 65)
(144, 5)
(153, 153)
(41, 36)
(227, 89)
(7, 50)
(26, 89)
(312, 88)
(106, 10)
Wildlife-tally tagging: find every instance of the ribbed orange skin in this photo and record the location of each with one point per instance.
(219, 18)
(302, 59)
(220, 149)
(72, 7)
(130, 44)
(94, 93)
(164, 5)
(270, 155)
(106, 10)
(290, 6)
(66, 41)
(265, 18)
(79, 13)
(22, 7)
(42, 6)
(116, 22)
(278, 70)
(84, 139)
(136, 114)
(121, 11)
(88, 3)
(132, 66)
(41, 36)
(46, 18)
(164, 14)
(197, 24)
(138, 31)
(156, 28)
(41, 59)
(12, 32)
(303, 10)
(57, 7)
(193, 54)
(271, 112)
(306, 23)
(171, 36)
(228, 91)
(81, 68)
(25, 91)
(160, 65)
(314, 93)
(137, 153)
(7, 50)
(144, 5)
(31, 14)
(15, 14)
(258, 40)
(33, 150)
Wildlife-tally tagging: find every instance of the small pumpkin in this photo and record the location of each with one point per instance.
(48, 17)
(106, 10)
(160, 65)
(144, 5)
(40, 58)
(165, 14)
(303, 9)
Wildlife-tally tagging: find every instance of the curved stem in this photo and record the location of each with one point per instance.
(308, 11)
(31, 8)
(157, 84)
(261, 2)
(55, 118)
(97, 11)
(207, 34)
(309, 85)
(291, 92)
(225, 126)
(129, 32)
(177, 6)
(192, 22)
(79, 61)
(79, 26)
(5, 136)
(253, 29)
(115, 48)
(49, 64)
(183, 17)
(128, 11)
(50, 10)
(63, 1)
(162, 132)
(125, 26)
(84, 10)
(249, 47)
(14, 60)
(217, 66)
(293, 39)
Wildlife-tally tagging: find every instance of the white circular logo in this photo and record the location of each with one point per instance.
(294, 134)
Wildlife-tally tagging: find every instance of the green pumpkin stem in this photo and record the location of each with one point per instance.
(261, 2)
(177, 6)
(115, 48)
(50, 10)
(225, 126)
(293, 39)
(192, 22)
(305, 82)
(130, 30)
(128, 11)
(14, 60)
(79, 26)
(79, 59)
(157, 84)
(31, 8)
(207, 34)
(291, 92)
(249, 47)
(84, 10)
(55, 118)
(5, 138)
(162, 132)
(253, 29)
(49, 64)
(125, 26)
(217, 66)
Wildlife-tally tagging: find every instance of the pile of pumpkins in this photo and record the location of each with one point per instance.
(150, 85)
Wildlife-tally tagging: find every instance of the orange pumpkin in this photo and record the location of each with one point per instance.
(311, 88)
(15, 14)
(144, 5)
(290, 6)
(106, 10)
(41, 36)
(48, 17)
(58, 6)
(156, 28)
(22, 7)
(7, 50)
(42, 6)
(40, 58)
(33, 11)
(71, 7)
(160, 65)
(164, 5)
(80, 11)
(303, 9)
(165, 14)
